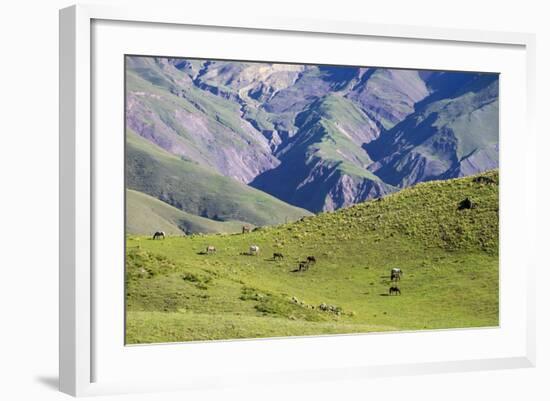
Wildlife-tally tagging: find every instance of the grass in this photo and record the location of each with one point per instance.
(146, 215)
(176, 292)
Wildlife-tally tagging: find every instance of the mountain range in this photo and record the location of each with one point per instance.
(298, 139)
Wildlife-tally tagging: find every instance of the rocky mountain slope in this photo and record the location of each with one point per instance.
(447, 137)
(317, 137)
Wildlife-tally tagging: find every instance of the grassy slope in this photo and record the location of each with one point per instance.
(450, 260)
(198, 190)
(146, 214)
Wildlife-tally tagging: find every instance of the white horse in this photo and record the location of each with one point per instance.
(254, 249)
(210, 249)
(396, 274)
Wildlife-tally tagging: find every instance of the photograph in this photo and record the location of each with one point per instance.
(300, 201)
(268, 199)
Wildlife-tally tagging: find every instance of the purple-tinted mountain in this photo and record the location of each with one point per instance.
(317, 137)
(451, 134)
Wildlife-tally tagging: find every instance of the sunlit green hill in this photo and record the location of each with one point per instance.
(146, 214)
(197, 190)
(448, 253)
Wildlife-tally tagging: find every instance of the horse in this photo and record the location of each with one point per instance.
(303, 266)
(254, 249)
(277, 256)
(311, 259)
(394, 290)
(484, 180)
(396, 274)
(210, 249)
(466, 203)
(159, 234)
(246, 229)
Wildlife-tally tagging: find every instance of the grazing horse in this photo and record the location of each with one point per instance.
(254, 249)
(277, 256)
(394, 290)
(396, 274)
(311, 259)
(484, 180)
(246, 229)
(303, 266)
(159, 234)
(466, 203)
(210, 249)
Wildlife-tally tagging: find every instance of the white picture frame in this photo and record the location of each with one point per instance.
(89, 364)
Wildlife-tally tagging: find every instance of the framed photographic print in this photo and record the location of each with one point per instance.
(339, 199)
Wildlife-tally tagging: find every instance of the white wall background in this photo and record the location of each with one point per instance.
(29, 185)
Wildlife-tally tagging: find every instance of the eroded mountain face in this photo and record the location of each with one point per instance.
(317, 137)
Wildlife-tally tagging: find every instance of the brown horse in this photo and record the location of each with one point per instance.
(159, 234)
(394, 290)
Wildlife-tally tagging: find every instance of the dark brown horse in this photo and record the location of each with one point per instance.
(278, 256)
(394, 290)
(159, 235)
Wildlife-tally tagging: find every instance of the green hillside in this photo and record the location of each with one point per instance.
(449, 256)
(145, 215)
(197, 190)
